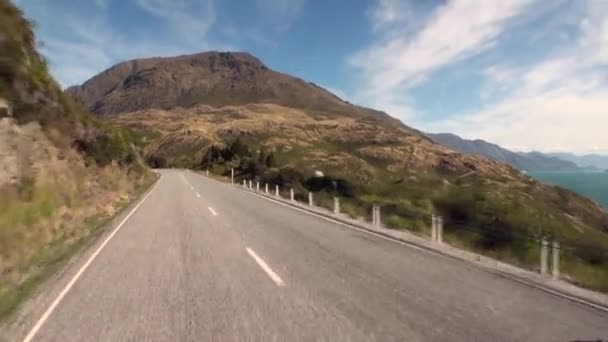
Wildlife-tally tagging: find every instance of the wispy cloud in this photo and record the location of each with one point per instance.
(280, 14)
(190, 19)
(556, 104)
(457, 30)
(85, 41)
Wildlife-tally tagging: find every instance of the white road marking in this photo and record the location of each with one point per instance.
(212, 211)
(198, 195)
(436, 253)
(67, 288)
(266, 268)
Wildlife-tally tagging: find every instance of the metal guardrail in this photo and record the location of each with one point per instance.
(549, 252)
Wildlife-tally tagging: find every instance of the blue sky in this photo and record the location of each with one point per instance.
(526, 74)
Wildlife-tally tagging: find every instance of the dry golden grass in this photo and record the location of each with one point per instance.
(49, 202)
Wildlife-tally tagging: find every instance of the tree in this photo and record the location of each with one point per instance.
(263, 155)
(270, 160)
(239, 148)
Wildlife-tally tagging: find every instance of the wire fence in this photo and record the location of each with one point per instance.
(581, 262)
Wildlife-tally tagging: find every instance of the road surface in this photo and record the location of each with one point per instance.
(202, 261)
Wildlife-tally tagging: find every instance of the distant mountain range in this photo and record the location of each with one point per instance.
(586, 161)
(530, 161)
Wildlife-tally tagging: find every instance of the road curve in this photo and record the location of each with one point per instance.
(202, 261)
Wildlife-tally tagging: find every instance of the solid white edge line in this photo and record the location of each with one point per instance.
(266, 268)
(67, 288)
(495, 272)
(212, 211)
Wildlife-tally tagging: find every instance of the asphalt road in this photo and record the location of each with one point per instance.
(203, 261)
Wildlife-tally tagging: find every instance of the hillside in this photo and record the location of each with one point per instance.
(533, 161)
(283, 131)
(62, 172)
(213, 78)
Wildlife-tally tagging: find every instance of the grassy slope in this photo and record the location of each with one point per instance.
(495, 211)
(71, 171)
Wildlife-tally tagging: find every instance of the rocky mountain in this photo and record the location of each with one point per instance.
(219, 111)
(532, 161)
(211, 78)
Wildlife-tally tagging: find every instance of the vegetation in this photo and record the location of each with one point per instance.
(72, 172)
(477, 216)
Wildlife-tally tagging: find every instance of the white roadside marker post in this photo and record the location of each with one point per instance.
(544, 254)
(555, 254)
(336, 205)
(433, 228)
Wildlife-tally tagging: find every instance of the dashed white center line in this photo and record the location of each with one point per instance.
(198, 195)
(212, 211)
(266, 268)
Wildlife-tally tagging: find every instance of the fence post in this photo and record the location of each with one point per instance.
(336, 205)
(376, 218)
(257, 186)
(310, 202)
(266, 187)
(373, 215)
(291, 195)
(439, 229)
(555, 254)
(276, 190)
(433, 228)
(544, 253)
(231, 175)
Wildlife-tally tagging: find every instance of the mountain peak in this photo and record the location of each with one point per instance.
(208, 78)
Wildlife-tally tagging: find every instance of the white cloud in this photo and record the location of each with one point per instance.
(80, 45)
(389, 12)
(280, 14)
(190, 19)
(557, 104)
(408, 53)
(457, 30)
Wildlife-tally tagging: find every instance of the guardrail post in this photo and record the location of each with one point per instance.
(433, 228)
(231, 175)
(376, 220)
(266, 188)
(310, 201)
(336, 205)
(544, 254)
(291, 195)
(555, 255)
(439, 229)
(257, 186)
(276, 190)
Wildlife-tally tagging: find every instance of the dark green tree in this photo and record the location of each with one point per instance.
(270, 162)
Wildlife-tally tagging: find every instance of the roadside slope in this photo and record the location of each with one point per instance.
(61, 170)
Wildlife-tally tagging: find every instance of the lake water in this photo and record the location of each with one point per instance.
(590, 184)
